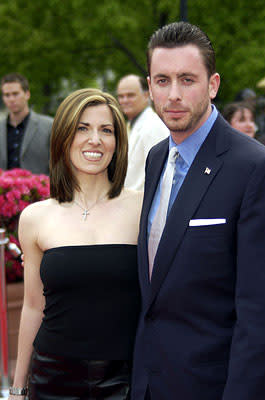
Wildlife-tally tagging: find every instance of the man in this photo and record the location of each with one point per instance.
(145, 128)
(24, 135)
(201, 333)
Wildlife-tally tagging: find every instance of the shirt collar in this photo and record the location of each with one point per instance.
(22, 124)
(191, 145)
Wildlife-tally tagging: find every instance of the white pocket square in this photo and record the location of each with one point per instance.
(203, 222)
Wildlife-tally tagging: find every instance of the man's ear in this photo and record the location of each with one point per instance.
(27, 94)
(150, 90)
(214, 83)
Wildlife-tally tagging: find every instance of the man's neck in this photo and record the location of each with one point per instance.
(16, 118)
(132, 120)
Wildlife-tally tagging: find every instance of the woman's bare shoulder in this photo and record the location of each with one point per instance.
(131, 201)
(133, 196)
(36, 210)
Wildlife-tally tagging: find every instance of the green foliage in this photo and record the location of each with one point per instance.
(236, 29)
(55, 42)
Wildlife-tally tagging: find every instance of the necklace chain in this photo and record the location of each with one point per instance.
(86, 212)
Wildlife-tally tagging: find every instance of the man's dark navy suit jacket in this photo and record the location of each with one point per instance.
(201, 334)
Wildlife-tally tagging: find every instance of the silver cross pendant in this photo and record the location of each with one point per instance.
(85, 214)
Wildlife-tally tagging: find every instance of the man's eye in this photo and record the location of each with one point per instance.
(161, 81)
(188, 80)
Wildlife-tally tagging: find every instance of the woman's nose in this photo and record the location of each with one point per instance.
(94, 137)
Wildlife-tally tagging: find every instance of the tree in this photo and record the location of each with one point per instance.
(236, 29)
(79, 41)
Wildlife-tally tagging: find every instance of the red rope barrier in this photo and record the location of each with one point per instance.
(3, 310)
(4, 335)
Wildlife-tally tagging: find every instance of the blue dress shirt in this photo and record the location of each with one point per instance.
(187, 152)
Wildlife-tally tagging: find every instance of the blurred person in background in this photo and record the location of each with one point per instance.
(246, 95)
(260, 118)
(257, 103)
(82, 297)
(145, 128)
(24, 134)
(241, 117)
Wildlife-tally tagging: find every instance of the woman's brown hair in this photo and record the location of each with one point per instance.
(62, 179)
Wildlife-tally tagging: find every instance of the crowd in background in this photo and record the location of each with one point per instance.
(25, 135)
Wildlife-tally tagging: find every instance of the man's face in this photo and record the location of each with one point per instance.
(131, 97)
(14, 97)
(181, 90)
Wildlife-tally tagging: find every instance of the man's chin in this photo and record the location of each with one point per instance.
(14, 110)
(178, 127)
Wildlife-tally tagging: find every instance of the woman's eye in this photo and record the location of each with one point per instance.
(107, 130)
(82, 128)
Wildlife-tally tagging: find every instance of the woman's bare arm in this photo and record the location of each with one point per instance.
(33, 304)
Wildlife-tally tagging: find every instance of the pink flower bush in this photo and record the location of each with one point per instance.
(18, 189)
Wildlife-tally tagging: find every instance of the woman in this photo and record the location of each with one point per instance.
(241, 117)
(81, 298)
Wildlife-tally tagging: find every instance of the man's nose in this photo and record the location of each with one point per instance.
(125, 99)
(174, 92)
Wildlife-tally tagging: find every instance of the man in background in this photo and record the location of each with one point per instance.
(24, 134)
(145, 128)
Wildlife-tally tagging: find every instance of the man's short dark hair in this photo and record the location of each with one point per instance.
(180, 34)
(15, 77)
(143, 84)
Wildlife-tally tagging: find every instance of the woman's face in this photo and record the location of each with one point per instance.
(94, 142)
(243, 121)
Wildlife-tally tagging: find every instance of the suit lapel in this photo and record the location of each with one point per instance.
(189, 197)
(3, 143)
(31, 130)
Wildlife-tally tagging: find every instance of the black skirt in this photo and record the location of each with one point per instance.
(58, 378)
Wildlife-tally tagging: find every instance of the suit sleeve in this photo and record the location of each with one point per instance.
(246, 376)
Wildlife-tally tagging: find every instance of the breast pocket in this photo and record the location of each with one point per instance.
(208, 230)
(209, 241)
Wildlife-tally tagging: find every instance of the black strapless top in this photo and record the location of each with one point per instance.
(92, 301)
